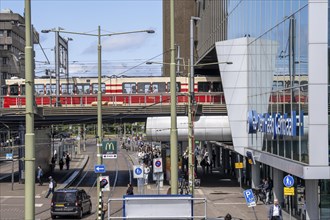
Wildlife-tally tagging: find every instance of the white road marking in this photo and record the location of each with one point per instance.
(17, 197)
(18, 205)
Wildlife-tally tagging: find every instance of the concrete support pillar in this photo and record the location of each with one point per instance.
(312, 203)
(78, 139)
(278, 185)
(218, 161)
(255, 175)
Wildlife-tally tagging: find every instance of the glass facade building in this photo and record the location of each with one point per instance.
(279, 51)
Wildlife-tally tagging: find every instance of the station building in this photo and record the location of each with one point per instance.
(276, 92)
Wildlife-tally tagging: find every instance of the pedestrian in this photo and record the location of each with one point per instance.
(67, 161)
(61, 164)
(104, 209)
(53, 164)
(269, 188)
(51, 186)
(39, 175)
(275, 211)
(213, 157)
(129, 190)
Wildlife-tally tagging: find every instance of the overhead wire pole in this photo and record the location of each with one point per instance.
(29, 159)
(99, 122)
(174, 130)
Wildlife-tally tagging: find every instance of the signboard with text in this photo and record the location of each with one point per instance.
(109, 149)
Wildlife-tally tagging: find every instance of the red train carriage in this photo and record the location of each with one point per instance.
(115, 91)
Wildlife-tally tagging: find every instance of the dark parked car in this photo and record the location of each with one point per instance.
(70, 202)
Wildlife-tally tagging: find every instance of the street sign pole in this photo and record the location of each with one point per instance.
(254, 212)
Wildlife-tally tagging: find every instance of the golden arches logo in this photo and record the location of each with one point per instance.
(109, 146)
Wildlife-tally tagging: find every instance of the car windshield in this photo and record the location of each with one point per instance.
(65, 197)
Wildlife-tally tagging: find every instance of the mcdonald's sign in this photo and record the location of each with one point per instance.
(109, 147)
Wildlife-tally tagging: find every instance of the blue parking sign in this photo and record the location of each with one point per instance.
(249, 197)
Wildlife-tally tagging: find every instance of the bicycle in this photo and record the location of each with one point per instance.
(259, 194)
(183, 187)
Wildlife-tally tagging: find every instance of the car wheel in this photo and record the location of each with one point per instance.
(90, 209)
(80, 214)
(53, 216)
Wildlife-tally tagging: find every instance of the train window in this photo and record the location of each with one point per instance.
(204, 86)
(158, 87)
(22, 89)
(178, 87)
(13, 90)
(50, 90)
(67, 88)
(83, 89)
(129, 88)
(39, 89)
(144, 88)
(278, 85)
(304, 86)
(96, 88)
(217, 87)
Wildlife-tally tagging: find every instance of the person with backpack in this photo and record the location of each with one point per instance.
(51, 186)
(129, 190)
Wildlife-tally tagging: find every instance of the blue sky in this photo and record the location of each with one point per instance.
(119, 53)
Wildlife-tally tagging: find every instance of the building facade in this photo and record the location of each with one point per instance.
(12, 46)
(278, 83)
(183, 11)
(276, 91)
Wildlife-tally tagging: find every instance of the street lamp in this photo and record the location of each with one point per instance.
(99, 94)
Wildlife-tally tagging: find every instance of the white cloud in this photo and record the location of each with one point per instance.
(120, 43)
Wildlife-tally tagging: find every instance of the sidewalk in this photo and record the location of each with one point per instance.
(62, 177)
(222, 193)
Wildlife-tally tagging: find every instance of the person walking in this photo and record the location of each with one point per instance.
(51, 186)
(61, 164)
(67, 161)
(129, 190)
(275, 211)
(39, 175)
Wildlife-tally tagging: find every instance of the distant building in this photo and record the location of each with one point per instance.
(182, 13)
(12, 45)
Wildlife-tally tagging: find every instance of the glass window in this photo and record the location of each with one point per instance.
(178, 87)
(83, 89)
(129, 88)
(50, 90)
(13, 90)
(217, 87)
(39, 89)
(159, 87)
(144, 88)
(204, 86)
(95, 87)
(67, 88)
(22, 89)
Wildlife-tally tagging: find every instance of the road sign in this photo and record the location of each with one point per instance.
(158, 165)
(109, 156)
(104, 183)
(138, 171)
(288, 181)
(249, 197)
(109, 147)
(99, 168)
(289, 191)
(9, 156)
(239, 165)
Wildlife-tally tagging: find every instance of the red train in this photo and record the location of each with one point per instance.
(76, 92)
(115, 91)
